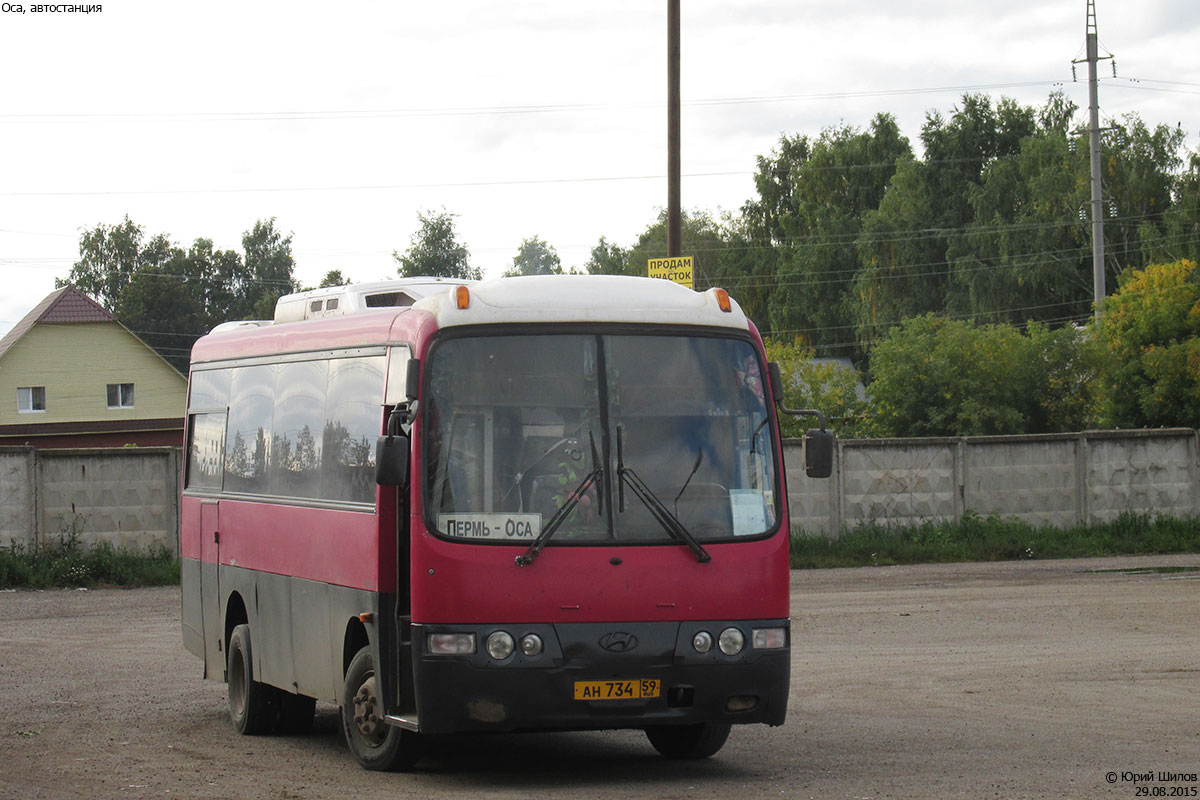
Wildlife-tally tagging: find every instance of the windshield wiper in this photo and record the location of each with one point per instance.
(520, 476)
(563, 511)
(662, 515)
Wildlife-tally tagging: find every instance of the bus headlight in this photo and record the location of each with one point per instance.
(768, 638)
(702, 642)
(450, 644)
(531, 645)
(731, 641)
(500, 645)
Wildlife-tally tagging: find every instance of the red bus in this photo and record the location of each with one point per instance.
(543, 503)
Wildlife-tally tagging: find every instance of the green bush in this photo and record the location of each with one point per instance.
(993, 538)
(70, 564)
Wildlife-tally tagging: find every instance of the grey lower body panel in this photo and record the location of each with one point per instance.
(298, 627)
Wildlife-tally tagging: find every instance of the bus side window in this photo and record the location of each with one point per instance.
(209, 389)
(205, 451)
(353, 420)
(247, 439)
(296, 429)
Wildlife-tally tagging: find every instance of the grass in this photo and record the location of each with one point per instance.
(71, 564)
(973, 538)
(993, 538)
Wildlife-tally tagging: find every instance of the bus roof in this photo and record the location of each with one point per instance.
(537, 299)
(583, 298)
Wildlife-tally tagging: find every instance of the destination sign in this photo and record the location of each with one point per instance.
(490, 526)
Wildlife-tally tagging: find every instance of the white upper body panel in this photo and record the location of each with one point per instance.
(583, 298)
(355, 298)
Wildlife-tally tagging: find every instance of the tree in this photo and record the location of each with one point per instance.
(170, 297)
(902, 256)
(435, 251)
(333, 278)
(535, 257)
(908, 243)
(607, 258)
(939, 377)
(1150, 329)
(812, 198)
(827, 385)
(746, 268)
(269, 266)
(1027, 254)
(1180, 237)
(109, 255)
(172, 304)
(1141, 169)
(700, 237)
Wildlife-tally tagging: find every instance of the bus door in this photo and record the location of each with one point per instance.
(210, 589)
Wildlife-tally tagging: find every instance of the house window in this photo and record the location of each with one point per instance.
(31, 399)
(120, 395)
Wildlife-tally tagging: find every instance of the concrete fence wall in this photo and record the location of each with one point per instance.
(1058, 479)
(129, 497)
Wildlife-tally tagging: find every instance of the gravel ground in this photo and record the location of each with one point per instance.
(1032, 679)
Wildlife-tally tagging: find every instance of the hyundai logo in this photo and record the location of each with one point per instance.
(618, 642)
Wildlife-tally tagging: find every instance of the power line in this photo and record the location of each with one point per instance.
(804, 167)
(790, 244)
(546, 108)
(960, 317)
(367, 187)
(1138, 83)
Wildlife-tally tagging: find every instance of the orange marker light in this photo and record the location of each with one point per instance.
(462, 296)
(723, 302)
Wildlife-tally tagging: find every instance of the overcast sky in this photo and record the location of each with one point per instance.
(541, 117)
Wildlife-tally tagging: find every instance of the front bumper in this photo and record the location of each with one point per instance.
(473, 692)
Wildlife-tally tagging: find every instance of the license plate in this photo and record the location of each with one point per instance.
(617, 690)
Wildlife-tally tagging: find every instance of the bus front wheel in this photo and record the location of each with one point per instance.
(688, 741)
(375, 744)
(251, 704)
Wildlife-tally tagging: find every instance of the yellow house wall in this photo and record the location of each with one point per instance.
(75, 363)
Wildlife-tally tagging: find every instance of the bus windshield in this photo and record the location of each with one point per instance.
(519, 428)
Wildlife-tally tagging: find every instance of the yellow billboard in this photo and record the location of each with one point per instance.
(678, 269)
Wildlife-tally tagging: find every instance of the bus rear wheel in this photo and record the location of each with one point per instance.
(374, 743)
(688, 741)
(252, 705)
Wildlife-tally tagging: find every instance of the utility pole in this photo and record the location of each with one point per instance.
(674, 226)
(1093, 56)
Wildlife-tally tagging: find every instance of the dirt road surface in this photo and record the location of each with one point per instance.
(1034, 679)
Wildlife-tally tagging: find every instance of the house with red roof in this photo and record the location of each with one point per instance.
(71, 375)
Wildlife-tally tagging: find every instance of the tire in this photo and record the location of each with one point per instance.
(374, 743)
(688, 741)
(252, 705)
(295, 713)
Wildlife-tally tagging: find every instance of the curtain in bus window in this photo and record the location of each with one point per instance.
(353, 421)
(297, 429)
(248, 433)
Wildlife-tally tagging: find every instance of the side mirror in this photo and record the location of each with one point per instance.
(412, 380)
(776, 381)
(818, 444)
(391, 460)
(818, 453)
